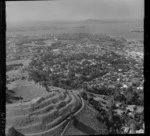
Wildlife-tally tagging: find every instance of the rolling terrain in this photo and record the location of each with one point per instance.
(73, 83)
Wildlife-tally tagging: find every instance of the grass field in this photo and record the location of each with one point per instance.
(27, 90)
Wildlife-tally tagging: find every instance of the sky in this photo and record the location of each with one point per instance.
(25, 11)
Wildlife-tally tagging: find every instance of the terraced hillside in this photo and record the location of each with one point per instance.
(106, 72)
(42, 116)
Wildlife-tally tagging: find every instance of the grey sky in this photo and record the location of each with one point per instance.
(74, 10)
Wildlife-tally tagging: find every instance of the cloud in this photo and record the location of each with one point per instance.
(105, 9)
(74, 10)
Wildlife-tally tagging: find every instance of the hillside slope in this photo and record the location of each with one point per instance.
(49, 115)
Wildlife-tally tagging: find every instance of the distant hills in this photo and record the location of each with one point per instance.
(109, 21)
(40, 22)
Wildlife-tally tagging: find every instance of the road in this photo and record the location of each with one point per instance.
(72, 116)
(66, 120)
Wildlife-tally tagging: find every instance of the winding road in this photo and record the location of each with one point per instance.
(66, 120)
(72, 116)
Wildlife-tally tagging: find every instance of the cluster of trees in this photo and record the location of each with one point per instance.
(13, 66)
(10, 96)
(40, 69)
(73, 36)
(27, 40)
(101, 90)
(116, 122)
(130, 96)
